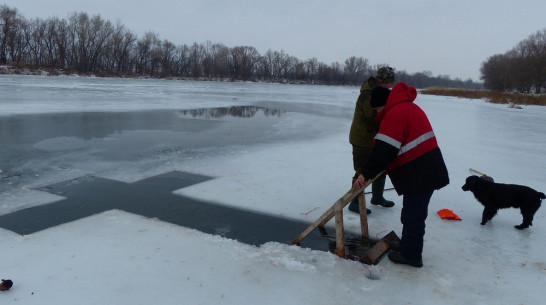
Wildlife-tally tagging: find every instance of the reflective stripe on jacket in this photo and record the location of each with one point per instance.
(406, 128)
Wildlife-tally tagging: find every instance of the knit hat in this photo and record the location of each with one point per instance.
(379, 96)
(385, 74)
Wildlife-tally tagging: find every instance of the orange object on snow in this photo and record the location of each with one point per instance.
(448, 214)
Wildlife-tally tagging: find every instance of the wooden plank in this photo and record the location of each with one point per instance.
(374, 254)
(363, 215)
(344, 200)
(314, 225)
(322, 220)
(340, 236)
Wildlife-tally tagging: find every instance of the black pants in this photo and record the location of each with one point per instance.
(414, 214)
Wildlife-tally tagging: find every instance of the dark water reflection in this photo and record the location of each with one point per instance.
(32, 145)
(234, 111)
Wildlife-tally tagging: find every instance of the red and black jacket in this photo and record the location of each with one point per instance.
(406, 146)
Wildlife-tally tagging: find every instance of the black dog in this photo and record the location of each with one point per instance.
(494, 196)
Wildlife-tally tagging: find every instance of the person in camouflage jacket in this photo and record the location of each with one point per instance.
(363, 129)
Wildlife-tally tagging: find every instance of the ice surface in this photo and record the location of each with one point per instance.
(120, 258)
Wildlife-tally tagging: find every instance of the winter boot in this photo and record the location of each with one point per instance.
(377, 193)
(397, 257)
(354, 207)
(395, 245)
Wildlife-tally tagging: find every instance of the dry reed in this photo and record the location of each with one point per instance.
(492, 96)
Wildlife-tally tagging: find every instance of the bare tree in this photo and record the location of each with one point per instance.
(494, 72)
(196, 57)
(120, 47)
(521, 69)
(85, 44)
(356, 69)
(243, 60)
(167, 53)
(535, 59)
(89, 36)
(183, 64)
(263, 71)
(147, 54)
(10, 34)
(311, 68)
(220, 60)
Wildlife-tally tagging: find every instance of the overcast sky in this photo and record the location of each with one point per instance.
(445, 37)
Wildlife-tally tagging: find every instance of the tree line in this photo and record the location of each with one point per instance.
(84, 44)
(522, 69)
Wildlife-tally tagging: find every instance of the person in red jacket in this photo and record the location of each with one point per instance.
(406, 147)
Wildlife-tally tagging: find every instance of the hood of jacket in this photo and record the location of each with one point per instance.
(400, 93)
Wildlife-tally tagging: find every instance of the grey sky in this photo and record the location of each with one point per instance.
(450, 37)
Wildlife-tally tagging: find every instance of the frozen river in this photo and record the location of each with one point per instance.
(273, 150)
(55, 128)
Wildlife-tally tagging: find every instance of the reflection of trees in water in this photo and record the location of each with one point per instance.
(234, 111)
